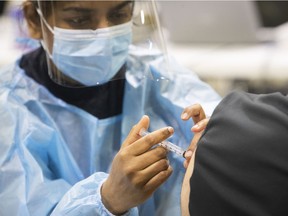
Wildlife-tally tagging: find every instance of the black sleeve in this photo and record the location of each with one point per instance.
(241, 163)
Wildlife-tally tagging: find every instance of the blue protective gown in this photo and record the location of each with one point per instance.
(54, 156)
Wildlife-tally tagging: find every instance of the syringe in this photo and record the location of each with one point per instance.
(166, 144)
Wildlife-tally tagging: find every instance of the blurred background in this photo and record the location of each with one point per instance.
(9, 50)
(229, 44)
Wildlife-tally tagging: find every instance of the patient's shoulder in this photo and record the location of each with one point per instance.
(242, 153)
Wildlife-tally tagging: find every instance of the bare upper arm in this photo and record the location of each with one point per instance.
(185, 193)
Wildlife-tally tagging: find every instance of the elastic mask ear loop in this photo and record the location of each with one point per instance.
(49, 28)
(43, 19)
(46, 49)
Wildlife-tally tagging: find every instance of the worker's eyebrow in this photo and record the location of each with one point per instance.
(77, 9)
(123, 4)
(80, 9)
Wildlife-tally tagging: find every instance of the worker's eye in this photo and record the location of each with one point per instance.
(120, 16)
(79, 22)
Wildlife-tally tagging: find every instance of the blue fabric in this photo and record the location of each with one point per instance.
(91, 57)
(54, 156)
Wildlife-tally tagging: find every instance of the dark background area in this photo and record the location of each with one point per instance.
(2, 6)
(272, 13)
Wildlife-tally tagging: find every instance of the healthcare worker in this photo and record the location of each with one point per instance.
(71, 112)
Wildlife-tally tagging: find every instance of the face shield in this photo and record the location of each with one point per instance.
(87, 42)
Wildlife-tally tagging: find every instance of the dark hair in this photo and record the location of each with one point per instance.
(44, 5)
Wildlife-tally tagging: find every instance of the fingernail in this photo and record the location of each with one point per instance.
(170, 129)
(168, 162)
(184, 115)
(142, 132)
(196, 126)
(188, 154)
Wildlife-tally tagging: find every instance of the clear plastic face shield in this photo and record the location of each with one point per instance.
(87, 42)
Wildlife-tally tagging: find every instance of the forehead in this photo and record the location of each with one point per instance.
(92, 5)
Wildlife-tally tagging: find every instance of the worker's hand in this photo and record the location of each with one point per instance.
(197, 113)
(137, 170)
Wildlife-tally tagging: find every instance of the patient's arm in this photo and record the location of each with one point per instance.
(186, 187)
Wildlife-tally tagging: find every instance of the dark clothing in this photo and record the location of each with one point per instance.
(241, 162)
(102, 101)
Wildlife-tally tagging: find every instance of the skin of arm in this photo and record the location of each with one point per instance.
(197, 113)
(185, 192)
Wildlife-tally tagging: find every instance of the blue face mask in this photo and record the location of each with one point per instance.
(91, 57)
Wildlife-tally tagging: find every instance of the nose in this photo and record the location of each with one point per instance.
(103, 23)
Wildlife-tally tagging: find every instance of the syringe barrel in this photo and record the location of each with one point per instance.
(166, 144)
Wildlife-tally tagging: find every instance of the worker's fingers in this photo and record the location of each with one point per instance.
(145, 143)
(134, 132)
(158, 179)
(200, 126)
(151, 156)
(186, 162)
(149, 172)
(195, 112)
(192, 148)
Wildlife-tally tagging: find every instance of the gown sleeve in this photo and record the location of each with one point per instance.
(36, 175)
